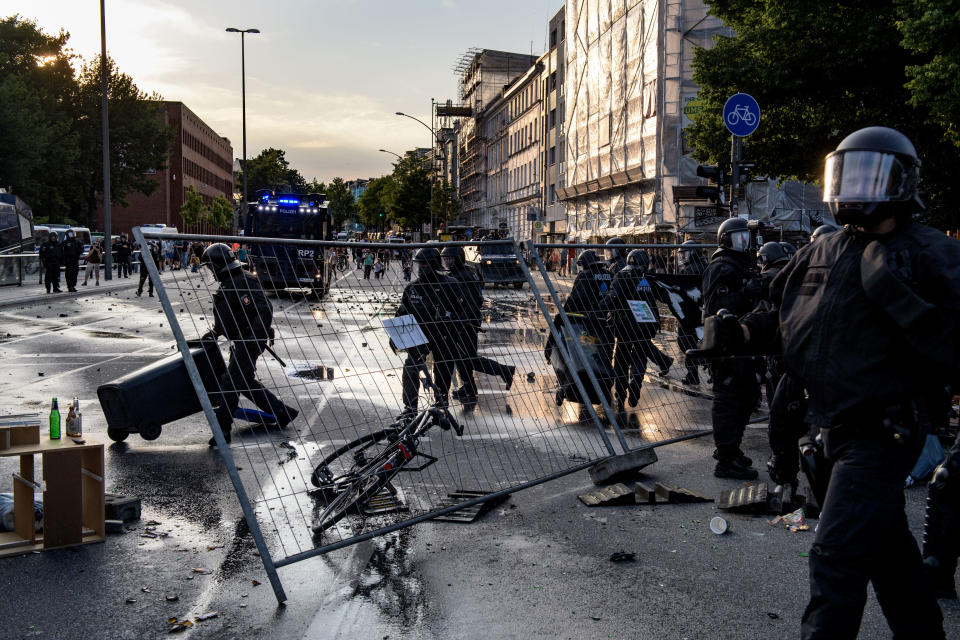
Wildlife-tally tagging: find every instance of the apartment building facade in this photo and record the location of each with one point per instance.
(198, 157)
(512, 125)
(628, 74)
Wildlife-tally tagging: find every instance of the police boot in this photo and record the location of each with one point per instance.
(287, 417)
(226, 436)
(664, 370)
(508, 376)
(732, 468)
(634, 397)
(692, 377)
(739, 459)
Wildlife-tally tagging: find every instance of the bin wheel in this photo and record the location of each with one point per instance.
(117, 435)
(150, 430)
(558, 398)
(518, 285)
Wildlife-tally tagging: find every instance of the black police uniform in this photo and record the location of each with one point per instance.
(434, 303)
(736, 385)
(51, 256)
(471, 294)
(144, 276)
(123, 258)
(72, 250)
(587, 297)
(616, 263)
(868, 364)
(243, 314)
(633, 336)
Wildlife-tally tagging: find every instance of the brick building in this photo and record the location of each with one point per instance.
(198, 156)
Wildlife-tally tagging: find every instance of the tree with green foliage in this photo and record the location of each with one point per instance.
(930, 31)
(139, 139)
(193, 209)
(315, 186)
(371, 208)
(37, 119)
(407, 198)
(270, 169)
(221, 213)
(820, 70)
(340, 201)
(444, 204)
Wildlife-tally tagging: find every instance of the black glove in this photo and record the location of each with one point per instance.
(271, 334)
(209, 336)
(887, 280)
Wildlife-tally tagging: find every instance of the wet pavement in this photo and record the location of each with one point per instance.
(537, 566)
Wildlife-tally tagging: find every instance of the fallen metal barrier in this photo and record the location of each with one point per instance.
(334, 365)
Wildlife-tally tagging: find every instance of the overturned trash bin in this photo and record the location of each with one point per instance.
(595, 346)
(143, 401)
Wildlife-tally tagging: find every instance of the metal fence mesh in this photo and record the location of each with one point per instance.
(334, 365)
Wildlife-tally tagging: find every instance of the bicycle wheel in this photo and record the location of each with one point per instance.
(349, 500)
(343, 464)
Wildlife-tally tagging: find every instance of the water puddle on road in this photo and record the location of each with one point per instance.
(109, 334)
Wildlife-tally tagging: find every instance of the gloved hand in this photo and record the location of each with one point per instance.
(887, 280)
(722, 334)
(271, 334)
(209, 336)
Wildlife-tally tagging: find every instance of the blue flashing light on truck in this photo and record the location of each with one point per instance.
(290, 216)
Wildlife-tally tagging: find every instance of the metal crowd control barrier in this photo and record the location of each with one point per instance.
(16, 268)
(334, 365)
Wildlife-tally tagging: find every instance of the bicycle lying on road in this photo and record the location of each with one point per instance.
(355, 472)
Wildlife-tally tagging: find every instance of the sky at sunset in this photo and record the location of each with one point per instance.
(324, 78)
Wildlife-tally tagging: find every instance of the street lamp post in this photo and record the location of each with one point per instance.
(243, 90)
(105, 142)
(399, 157)
(433, 140)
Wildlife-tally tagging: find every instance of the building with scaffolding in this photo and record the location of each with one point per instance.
(553, 227)
(628, 76)
(483, 74)
(512, 134)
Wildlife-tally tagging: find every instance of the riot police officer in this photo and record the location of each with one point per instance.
(736, 385)
(690, 262)
(471, 293)
(587, 297)
(72, 250)
(893, 285)
(144, 277)
(51, 256)
(592, 282)
(616, 256)
(635, 320)
(433, 300)
(243, 314)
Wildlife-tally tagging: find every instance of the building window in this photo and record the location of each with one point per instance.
(552, 156)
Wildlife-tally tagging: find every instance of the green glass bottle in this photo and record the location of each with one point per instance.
(54, 421)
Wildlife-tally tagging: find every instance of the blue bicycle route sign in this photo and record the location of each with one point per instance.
(741, 114)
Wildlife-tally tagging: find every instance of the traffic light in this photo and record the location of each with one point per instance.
(714, 175)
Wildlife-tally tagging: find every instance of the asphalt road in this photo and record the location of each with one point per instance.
(536, 566)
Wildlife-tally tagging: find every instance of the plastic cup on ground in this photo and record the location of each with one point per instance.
(718, 525)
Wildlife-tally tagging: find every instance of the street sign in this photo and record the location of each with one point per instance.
(741, 114)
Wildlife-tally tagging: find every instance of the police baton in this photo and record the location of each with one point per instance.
(275, 356)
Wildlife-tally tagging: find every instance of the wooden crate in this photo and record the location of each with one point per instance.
(73, 496)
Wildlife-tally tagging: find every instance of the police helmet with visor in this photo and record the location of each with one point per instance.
(588, 260)
(614, 252)
(220, 258)
(638, 259)
(734, 234)
(771, 253)
(872, 175)
(453, 258)
(788, 249)
(822, 230)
